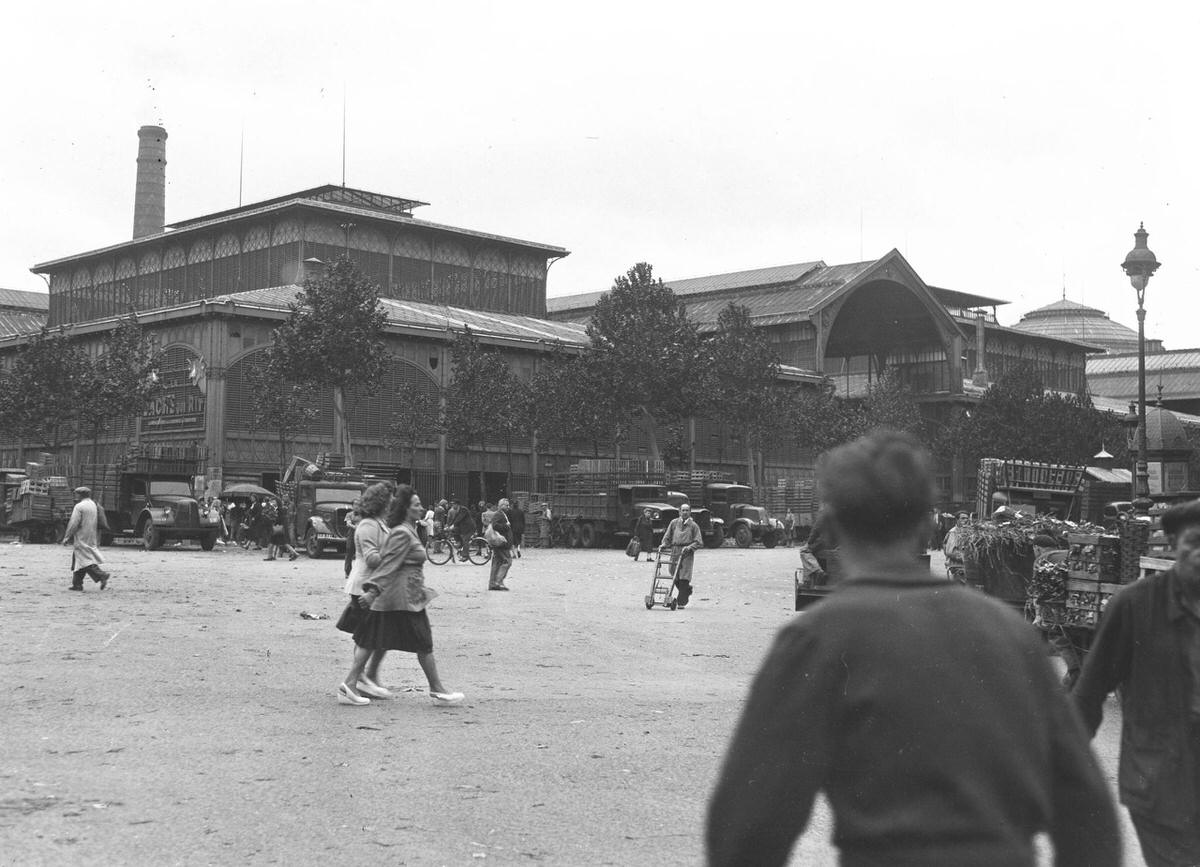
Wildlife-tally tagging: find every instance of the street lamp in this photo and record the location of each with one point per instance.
(1140, 265)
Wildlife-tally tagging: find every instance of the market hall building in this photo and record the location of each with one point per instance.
(210, 290)
(850, 323)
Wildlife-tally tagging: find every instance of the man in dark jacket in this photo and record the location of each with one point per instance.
(1148, 646)
(463, 523)
(501, 551)
(516, 519)
(926, 712)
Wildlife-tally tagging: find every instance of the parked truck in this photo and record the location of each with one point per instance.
(732, 505)
(34, 505)
(590, 510)
(147, 494)
(318, 501)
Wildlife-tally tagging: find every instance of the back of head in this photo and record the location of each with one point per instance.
(1177, 518)
(878, 488)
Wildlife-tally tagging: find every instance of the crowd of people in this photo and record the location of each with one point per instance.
(926, 712)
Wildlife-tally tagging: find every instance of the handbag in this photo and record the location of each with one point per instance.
(494, 537)
(633, 549)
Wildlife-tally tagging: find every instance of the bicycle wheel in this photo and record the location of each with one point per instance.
(478, 551)
(439, 552)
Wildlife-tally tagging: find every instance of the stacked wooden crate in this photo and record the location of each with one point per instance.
(1093, 576)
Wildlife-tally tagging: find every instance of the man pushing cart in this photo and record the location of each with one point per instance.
(682, 538)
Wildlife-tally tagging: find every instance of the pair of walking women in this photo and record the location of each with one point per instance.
(388, 596)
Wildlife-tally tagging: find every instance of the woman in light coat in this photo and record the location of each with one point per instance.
(397, 597)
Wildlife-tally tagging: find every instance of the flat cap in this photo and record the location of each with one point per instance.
(84, 491)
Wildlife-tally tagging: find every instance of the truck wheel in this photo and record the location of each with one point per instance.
(743, 536)
(716, 538)
(573, 537)
(26, 536)
(312, 545)
(587, 536)
(208, 541)
(770, 540)
(151, 537)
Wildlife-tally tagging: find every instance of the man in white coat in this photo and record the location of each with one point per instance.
(83, 534)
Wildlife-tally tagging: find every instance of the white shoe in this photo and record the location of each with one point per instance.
(345, 696)
(447, 698)
(371, 688)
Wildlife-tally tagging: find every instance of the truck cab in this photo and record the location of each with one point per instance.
(632, 500)
(747, 523)
(712, 528)
(320, 514)
(159, 508)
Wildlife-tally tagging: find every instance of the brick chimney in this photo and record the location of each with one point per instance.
(150, 197)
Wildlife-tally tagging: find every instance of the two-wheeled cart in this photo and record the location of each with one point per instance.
(662, 586)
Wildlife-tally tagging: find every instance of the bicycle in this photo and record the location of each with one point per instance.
(442, 549)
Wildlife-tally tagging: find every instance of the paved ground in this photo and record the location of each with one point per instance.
(187, 715)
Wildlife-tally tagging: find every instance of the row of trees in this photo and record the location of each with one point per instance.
(646, 364)
(56, 392)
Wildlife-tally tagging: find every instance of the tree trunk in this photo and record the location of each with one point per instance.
(341, 428)
(651, 434)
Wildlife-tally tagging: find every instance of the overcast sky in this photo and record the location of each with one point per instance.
(1008, 153)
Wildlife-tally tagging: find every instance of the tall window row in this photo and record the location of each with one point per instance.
(406, 267)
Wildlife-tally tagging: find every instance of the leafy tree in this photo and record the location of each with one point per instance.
(475, 396)
(282, 405)
(333, 339)
(119, 382)
(41, 395)
(1018, 418)
(890, 404)
(418, 419)
(574, 403)
(649, 349)
(741, 372)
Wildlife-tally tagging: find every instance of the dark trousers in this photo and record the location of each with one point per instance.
(94, 572)
(501, 561)
(1163, 846)
(684, 588)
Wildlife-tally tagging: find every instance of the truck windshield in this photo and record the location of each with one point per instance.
(337, 495)
(170, 489)
(739, 494)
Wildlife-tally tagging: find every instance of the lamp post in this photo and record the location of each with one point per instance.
(1140, 265)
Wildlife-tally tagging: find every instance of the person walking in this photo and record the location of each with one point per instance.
(397, 599)
(487, 512)
(789, 527)
(927, 713)
(516, 520)
(367, 540)
(643, 531)
(279, 543)
(82, 533)
(501, 548)
(1147, 646)
(683, 538)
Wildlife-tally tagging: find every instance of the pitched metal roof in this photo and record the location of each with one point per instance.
(13, 323)
(20, 300)
(1175, 359)
(756, 277)
(784, 300)
(297, 200)
(436, 317)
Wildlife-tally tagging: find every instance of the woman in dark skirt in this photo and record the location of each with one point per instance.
(397, 597)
